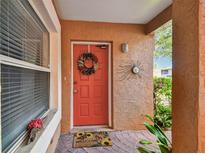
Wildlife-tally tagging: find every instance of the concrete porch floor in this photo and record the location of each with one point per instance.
(123, 142)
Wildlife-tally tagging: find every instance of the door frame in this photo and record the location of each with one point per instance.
(109, 82)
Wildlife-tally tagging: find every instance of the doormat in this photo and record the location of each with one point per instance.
(91, 139)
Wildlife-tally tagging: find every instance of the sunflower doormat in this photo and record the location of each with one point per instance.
(91, 139)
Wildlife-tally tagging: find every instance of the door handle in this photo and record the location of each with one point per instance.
(75, 91)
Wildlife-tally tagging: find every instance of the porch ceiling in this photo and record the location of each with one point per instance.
(116, 11)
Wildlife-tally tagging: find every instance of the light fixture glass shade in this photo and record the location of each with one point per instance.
(124, 47)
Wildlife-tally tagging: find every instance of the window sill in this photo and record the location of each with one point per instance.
(24, 148)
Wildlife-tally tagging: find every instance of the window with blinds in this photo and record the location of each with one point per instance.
(24, 46)
(23, 36)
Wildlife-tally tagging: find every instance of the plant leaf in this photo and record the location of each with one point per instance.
(145, 142)
(143, 150)
(149, 117)
(150, 127)
(160, 130)
(155, 132)
(164, 148)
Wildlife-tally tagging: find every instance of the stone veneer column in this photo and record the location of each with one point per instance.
(188, 75)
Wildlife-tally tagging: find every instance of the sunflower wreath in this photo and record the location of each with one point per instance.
(83, 67)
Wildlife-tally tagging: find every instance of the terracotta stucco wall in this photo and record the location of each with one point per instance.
(201, 121)
(185, 55)
(131, 99)
(188, 130)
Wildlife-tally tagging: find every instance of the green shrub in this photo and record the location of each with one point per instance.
(162, 88)
(162, 102)
(163, 115)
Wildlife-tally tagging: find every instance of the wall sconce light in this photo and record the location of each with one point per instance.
(124, 47)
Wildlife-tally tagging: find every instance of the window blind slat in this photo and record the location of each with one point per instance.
(14, 38)
(17, 46)
(19, 110)
(15, 93)
(14, 103)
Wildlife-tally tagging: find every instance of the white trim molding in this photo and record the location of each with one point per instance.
(109, 82)
(19, 63)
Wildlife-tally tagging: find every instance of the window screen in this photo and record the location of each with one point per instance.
(24, 92)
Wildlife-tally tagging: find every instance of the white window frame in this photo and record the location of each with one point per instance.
(23, 64)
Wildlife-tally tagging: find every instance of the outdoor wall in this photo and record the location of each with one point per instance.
(188, 127)
(131, 99)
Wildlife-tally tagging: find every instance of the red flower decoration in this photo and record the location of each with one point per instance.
(36, 123)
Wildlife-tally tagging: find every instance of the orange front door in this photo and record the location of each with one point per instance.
(91, 91)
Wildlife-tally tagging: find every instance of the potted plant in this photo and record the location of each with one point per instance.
(34, 126)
